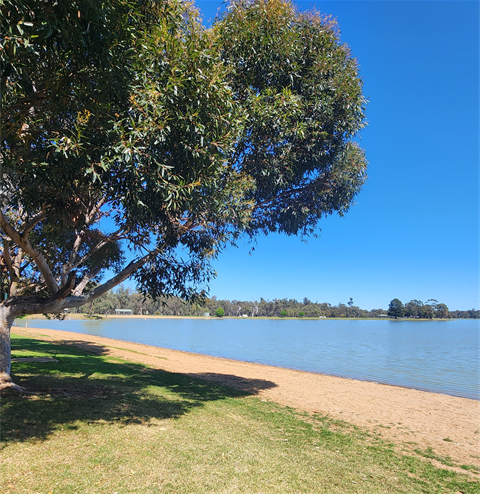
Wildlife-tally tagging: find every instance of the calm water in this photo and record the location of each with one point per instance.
(438, 356)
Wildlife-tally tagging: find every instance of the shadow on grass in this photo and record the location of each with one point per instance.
(86, 346)
(85, 386)
(249, 386)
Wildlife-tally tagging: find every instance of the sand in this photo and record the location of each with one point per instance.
(411, 419)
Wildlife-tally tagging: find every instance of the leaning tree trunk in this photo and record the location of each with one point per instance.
(8, 311)
(59, 301)
(6, 320)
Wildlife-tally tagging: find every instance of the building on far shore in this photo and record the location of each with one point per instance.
(123, 312)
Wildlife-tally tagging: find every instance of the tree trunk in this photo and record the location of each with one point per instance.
(6, 321)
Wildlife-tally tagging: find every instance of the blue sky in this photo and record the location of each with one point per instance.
(414, 232)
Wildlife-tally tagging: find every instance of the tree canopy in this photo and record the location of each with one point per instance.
(396, 308)
(136, 142)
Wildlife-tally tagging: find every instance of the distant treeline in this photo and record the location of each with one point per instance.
(124, 298)
(416, 309)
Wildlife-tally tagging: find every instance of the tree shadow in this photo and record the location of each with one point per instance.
(248, 385)
(31, 345)
(85, 386)
(86, 346)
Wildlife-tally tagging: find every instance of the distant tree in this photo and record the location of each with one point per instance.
(413, 308)
(312, 310)
(396, 308)
(350, 302)
(138, 303)
(219, 312)
(283, 313)
(378, 312)
(441, 311)
(425, 312)
(106, 304)
(175, 306)
(472, 314)
(301, 314)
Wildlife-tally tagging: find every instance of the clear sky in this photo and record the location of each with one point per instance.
(414, 232)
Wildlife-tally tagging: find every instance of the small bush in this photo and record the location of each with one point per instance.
(301, 314)
(220, 312)
(283, 313)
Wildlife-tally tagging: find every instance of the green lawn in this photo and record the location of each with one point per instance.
(101, 425)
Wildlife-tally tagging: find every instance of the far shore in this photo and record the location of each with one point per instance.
(409, 418)
(75, 316)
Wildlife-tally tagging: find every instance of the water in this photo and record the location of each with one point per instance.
(437, 356)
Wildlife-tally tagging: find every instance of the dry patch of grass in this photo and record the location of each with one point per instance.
(100, 425)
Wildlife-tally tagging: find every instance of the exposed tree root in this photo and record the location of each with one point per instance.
(6, 382)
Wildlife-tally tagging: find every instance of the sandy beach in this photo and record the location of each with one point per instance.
(411, 419)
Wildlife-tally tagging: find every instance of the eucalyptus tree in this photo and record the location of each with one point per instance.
(116, 121)
(441, 311)
(136, 143)
(413, 308)
(301, 94)
(396, 308)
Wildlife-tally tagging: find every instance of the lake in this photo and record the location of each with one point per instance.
(437, 356)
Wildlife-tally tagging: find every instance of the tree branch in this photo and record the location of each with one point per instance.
(95, 210)
(67, 289)
(16, 272)
(33, 222)
(38, 305)
(26, 246)
(122, 276)
(8, 261)
(111, 238)
(88, 277)
(68, 266)
(324, 186)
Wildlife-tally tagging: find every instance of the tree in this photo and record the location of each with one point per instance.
(219, 312)
(137, 142)
(425, 311)
(302, 102)
(441, 311)
(395, 308)
(255, 308)
(283, 313)
(413, 308)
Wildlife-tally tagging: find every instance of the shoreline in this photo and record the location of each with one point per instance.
(470, 393)
(411, 418)
(256, 363)
(96, 317)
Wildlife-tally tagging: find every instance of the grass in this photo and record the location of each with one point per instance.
(101, 425)
(429, 453)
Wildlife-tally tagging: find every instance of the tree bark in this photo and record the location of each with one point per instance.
(6, 321)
